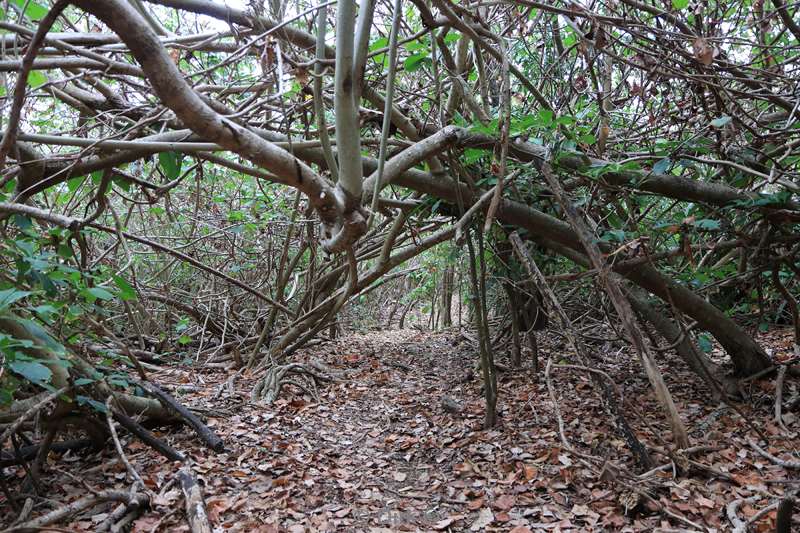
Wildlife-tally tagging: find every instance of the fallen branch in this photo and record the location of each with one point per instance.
(205, 433)
(148, 438)
(739, 526)
(779, 397)
(195, 506)
(790, 465)
(783, 522)
(130, 500)
(28, 453)
(118, 445)
(30, 412)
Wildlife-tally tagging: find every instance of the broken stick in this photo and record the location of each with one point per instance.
(195, 505)
(205, 433)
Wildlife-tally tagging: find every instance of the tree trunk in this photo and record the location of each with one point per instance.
(447, 297)
(747, 356)
(516, 344)
(484, 340)
(669, 330)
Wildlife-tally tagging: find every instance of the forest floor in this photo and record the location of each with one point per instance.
(378, 452)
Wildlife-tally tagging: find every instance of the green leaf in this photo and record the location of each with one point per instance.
(416, 45)
(33, 10)
(471, 155)
(721, 121)
(452, 37)
(122, 183)
(85, 400)
(680, 4)
(546, 116)
(126, 290)
(587, 139)
(565, 120)
(704, 342)
(74, 183)
(184, 339)
(614, 235)
(65, 251)
(22, 222)
(9, 296)
(32, 371)
(36, 79)
(91, 294)
(170, 163)
(378, 44)
(662, 166)
(707, 224)
(40, 334)
(44, 311)
(763, 327)
(415, 62)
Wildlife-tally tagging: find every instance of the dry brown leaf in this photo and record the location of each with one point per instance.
(505, 502)
(485, 517)
(444, 524)
(475, 504)
(703, 51)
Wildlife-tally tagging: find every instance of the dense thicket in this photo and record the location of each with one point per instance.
(187, 180)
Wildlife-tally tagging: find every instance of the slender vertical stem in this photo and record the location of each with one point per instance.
(366, 12)
(622, 306)
(319, 98)
(387, 109)
(348, 137)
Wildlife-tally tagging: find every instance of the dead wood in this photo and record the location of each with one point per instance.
(148, 438)
(131, 500)
(783, 523)
(196, 513)
(205, 433)
(28, 453)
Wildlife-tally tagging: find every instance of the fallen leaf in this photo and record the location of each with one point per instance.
(485, 517)
(504, 502)
(343, 512)
(474, 505)
(444, 524)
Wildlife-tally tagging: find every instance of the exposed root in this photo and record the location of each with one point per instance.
(309, 377)
(789, 465)
(130, 499)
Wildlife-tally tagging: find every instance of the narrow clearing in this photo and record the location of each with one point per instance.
(385, 449)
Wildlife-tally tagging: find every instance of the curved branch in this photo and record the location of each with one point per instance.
(172, 89)
(787, 19)
(10, 135)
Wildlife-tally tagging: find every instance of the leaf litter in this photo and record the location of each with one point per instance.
(378, 452)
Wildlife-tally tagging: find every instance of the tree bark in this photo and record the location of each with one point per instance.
(447, 297)
(623, 309)
(698, 362)
(196, 513)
